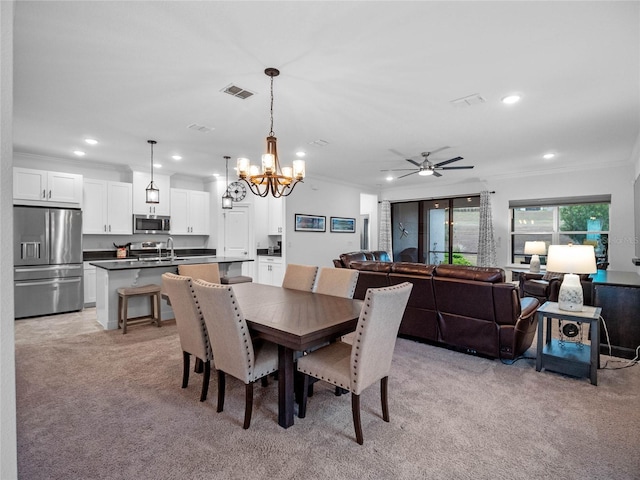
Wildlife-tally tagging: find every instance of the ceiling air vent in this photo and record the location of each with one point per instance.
(200, 128)
(468, 101)
(237, 91)
(319, 143)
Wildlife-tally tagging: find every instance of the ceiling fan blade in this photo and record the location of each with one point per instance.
(398, 170)
(419, 165)
(402, 176)
(454, 168)
(448, 161)
(439, 149)
(436, 174)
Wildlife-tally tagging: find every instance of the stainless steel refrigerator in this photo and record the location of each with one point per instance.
(48, 261)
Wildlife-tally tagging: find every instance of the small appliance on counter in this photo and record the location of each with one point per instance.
(122, 251)
(47, 260)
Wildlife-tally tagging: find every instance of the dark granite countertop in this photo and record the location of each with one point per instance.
(133, 264)
(95, 255)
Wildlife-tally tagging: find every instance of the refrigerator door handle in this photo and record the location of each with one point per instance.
(48, 282)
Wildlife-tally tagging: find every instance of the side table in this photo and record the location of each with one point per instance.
(570, 358)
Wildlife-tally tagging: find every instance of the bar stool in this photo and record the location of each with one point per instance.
(152, 291)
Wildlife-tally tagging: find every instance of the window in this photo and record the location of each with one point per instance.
(436, 231)
(582, 221)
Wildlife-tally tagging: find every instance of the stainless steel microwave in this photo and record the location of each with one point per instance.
(151, 224)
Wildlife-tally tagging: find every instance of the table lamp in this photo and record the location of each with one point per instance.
(535, 249)
(571, 260)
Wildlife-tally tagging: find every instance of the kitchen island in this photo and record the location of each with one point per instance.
(114, 274)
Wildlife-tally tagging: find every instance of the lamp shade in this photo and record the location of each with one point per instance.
(577, 259)
(535, 248)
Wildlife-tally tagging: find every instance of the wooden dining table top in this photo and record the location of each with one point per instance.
(293, 318)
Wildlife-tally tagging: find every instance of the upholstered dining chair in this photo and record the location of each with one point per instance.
(234, 350)
(209, 272)
(339, 282)
(192, 330)
(356, 367)
(300, 277)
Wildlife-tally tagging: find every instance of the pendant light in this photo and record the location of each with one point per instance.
(227, 201)
(153, 194)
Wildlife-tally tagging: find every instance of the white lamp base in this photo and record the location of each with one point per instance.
(534, 264)
(570, 296)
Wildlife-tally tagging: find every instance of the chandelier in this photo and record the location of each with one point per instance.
(272, 179)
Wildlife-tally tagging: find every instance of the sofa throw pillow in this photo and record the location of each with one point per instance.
(550, 275)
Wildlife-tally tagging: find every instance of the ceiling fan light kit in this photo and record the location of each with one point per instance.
(272, 179)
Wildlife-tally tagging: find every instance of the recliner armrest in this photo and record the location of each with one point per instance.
(531, 276)
(528, 306)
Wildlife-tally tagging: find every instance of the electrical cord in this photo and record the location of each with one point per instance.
(630, 363)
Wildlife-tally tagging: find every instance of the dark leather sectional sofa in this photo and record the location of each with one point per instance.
(470, 308)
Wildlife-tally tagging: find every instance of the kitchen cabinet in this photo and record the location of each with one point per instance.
(107, 208)
(44, 186)
(140, 182)
(276, 209)
(189, 212)
(270, 270)
(89, 285)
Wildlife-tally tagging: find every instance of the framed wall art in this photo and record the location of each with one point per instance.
(343, 225)
(310, 223)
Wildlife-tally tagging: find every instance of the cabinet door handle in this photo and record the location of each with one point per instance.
(109, 228)
(44, 194)
(105, 228)
(49, 193)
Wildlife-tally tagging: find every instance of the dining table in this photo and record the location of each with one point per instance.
(296, 321)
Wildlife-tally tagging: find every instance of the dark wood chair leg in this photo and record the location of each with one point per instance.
(205, 380)
(302, 406)
(185, 369)
(198, 366)
(248, 404)
(355, 409)
(384, 397)
(264, 381)
(220, 391)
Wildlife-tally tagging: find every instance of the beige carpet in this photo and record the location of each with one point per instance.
(102, 405)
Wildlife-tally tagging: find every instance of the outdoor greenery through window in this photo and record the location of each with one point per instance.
(436, 231)
(578, 221)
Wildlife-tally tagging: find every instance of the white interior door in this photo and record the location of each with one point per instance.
(238, 236)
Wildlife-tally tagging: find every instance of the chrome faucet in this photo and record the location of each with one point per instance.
(170, 246)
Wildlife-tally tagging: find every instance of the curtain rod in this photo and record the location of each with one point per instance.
(439, 198)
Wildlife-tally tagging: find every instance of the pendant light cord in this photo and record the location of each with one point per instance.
(271, 134)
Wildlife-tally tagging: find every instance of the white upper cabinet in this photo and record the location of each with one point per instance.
(140, 182)
(276, 216)
(189, 212)
(37, 186)
(108, 208)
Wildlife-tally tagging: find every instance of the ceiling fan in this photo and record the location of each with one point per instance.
(426, 167)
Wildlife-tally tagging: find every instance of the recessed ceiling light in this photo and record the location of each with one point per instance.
(177, 157)
(510, 99)
(79, 153)
(157, 165)
(300, 154)
(216, 174)
(389, 178)
(91, 141)
(548, 156)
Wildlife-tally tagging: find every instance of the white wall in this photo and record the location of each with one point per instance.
(328, 198)
(616, 180)
(8, 456)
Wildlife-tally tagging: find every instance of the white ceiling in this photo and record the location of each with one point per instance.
(373, 79)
